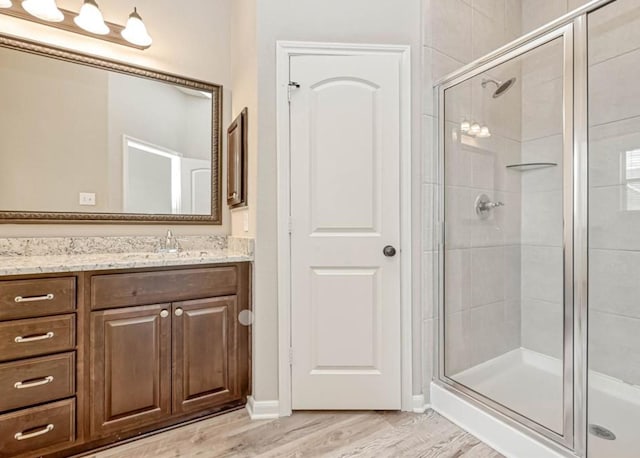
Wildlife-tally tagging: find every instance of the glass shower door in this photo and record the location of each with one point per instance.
(506, 311)
(614, 231)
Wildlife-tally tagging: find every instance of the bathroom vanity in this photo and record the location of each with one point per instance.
(96, 356)
(105, 339)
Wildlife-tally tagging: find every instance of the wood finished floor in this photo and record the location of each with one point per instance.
(312, 434)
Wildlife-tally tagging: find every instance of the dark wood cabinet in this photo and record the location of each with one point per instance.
(93, 358)
(205, 353)
(131, 368)
(50, 426)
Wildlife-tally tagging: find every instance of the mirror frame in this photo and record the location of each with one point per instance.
(215, 218)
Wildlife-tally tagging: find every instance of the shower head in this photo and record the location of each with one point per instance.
(501, 86)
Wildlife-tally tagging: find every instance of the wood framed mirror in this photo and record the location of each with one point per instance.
(237, 161)
(91, 140)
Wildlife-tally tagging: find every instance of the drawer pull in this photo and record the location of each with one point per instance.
(22, 436)
(48, 297)
(47, 336)
(34, 383)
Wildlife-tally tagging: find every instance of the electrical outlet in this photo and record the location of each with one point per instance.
(87, 198)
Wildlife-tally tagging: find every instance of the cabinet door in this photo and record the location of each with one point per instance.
(205, 353)
(131, 368)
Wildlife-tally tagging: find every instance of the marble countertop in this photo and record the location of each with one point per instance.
(26, 265)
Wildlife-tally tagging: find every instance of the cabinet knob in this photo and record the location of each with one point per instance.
(164, 314)
(179, 312)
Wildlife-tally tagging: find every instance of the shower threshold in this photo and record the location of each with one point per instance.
(530, 383)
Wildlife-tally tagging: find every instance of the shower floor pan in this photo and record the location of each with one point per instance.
(530, 383)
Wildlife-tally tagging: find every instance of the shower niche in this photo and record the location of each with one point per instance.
(539, 205)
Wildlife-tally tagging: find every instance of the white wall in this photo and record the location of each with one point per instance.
(34, 156)
(244, 66)
(193, 41)
(354, 21)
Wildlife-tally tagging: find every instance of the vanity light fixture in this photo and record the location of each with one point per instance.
(88, 21)
(136, 32)
(91, 19)
(474, 129)
(47, 10)
(484, 132)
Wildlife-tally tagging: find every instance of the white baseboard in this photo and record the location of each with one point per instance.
(419, 405)
(263, 410)
(502, 437)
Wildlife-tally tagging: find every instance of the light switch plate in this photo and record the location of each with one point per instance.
(87, 198)
(246, 221)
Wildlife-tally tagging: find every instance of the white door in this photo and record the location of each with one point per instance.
(345, 209)
(196, 186)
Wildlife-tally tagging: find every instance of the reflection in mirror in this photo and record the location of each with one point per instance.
(84, 139)
(631, 175)
(163, 181)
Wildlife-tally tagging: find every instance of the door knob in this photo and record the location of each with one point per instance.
(164, 314)
(389, 251)
(178, 312)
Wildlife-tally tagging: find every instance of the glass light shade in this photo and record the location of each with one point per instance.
(475, 129)
(465, 126)
(47, 10)
(484, 132)
(5, 4)
(90, 18)
(136, 32)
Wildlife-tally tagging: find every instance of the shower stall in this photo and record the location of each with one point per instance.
(539, 216)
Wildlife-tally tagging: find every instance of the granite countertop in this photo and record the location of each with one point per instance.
(73, 255)
(24, 265)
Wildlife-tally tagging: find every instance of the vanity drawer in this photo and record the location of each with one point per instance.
(145, 288)
(34, 381)
(30, 430)
(37, 297)
(37, 336)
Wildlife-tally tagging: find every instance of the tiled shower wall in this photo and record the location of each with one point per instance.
(455, 32)
(542, 200)
(614, 191)
(482, 256)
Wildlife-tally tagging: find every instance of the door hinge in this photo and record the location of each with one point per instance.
(292, 85)
(290, 356)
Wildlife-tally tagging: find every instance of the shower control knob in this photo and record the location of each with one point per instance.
(484, 205)
(389, 251)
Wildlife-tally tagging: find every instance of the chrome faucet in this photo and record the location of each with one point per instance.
(170, 243)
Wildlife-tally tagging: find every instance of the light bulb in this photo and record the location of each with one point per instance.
(90, 18)
(475, 129)
(136, 32)
(465, 126)
(47, 10)
(5, 4)
(484, 132)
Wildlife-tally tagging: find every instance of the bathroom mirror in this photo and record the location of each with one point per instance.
(85, 139)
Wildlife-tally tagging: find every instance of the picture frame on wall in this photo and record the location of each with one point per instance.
(237, 147)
